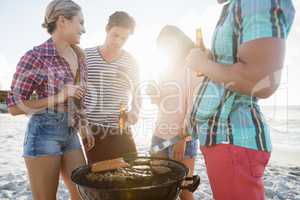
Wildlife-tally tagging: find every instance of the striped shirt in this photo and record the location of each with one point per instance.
(108, 85)
(223, 116)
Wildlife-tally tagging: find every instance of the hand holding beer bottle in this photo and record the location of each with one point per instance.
(122, 119)
(199, 44)
(199, 39)
(199, 56)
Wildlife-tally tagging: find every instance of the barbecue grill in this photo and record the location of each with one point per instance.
(146, 178)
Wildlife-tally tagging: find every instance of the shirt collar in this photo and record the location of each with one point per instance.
(47, 49)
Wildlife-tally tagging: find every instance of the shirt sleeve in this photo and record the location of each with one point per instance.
(257, 19)
(25, 80)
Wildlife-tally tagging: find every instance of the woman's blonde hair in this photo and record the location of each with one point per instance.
(56, 8)
(66, 8)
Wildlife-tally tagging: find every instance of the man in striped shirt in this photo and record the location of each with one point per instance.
(248, 55)
(113, 78)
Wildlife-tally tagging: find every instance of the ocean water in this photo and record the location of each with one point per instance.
(284, 123)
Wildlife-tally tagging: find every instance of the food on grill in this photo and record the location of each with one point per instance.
(138, 173)
(161, 170)
(146, 178)
(109, 165)
(159, 163)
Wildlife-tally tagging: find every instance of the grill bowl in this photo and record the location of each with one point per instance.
(168, 190)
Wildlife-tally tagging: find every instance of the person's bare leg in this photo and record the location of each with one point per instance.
(43, 175)
(70, 161)
(185, 194)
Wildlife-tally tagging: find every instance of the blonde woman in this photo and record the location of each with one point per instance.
(51, 145)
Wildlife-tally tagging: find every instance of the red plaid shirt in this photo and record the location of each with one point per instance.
(43, 71)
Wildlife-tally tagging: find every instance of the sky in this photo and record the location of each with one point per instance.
(21, 30)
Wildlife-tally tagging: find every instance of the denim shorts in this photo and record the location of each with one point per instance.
(191, 148)
(49, 134)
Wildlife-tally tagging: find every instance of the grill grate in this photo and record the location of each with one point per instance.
(140, 173)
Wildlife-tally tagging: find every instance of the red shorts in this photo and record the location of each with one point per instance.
(235, 173)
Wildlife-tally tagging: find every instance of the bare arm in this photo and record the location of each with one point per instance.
(256, 73)
(32, 106)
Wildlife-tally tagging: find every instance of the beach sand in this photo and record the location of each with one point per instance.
(282, 177)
